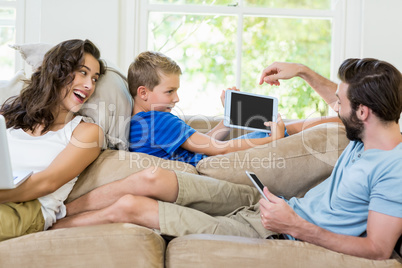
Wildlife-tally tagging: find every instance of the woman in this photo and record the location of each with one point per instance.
(45, 135)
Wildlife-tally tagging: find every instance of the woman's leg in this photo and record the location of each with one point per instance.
(153, 182)
(127, 209)
(170, 219)
(17, 219)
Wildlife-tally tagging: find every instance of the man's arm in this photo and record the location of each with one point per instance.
(285, 70)
(382, 230)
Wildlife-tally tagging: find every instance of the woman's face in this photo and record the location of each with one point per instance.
(83, 84)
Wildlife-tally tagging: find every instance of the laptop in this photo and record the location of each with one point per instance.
(8, 179)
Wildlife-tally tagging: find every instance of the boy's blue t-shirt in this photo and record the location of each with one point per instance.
(161, 134)
(361, 181)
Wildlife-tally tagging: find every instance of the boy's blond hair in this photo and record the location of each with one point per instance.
(145, 70)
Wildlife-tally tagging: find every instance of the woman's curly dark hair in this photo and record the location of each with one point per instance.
(40, 100)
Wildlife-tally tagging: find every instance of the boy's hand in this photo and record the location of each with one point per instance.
(223, 94)
(277, 128)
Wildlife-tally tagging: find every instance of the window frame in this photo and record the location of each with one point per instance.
(337, 14)
(19, 24)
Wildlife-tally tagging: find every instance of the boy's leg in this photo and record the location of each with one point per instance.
(157, 183)
(17, 219)
(212, 196)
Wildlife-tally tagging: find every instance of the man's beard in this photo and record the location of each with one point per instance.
(354, 126)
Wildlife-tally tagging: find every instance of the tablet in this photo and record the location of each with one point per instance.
(257, 183)
(249, 111)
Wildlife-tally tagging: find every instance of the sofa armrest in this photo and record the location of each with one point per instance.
(107, 245)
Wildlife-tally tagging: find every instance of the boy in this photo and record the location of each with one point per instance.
(153, 81)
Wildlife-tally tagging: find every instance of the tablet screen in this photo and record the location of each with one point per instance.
(250, 111)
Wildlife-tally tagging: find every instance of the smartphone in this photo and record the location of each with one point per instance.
(258, 184)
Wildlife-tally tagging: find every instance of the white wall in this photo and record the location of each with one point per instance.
(52, 21)
(382, 38)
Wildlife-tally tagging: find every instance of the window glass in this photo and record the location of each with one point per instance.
(195, 2)
(301, 4)
(205, 49)
(7, 36)
(7, 14)
(233, 46)
(307, 41)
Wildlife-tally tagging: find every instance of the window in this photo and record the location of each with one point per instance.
(7, 36)
(223, 43)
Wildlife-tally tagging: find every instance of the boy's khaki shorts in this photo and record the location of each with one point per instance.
(17, 219)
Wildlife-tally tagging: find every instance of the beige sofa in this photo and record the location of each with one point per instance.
(289, 167)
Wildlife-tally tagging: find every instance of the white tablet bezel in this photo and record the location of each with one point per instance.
(228, 100)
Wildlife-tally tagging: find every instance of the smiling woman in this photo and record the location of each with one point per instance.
(46, 136)
(83, 84)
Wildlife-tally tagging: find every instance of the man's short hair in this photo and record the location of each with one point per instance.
(375, 84)
(146, 69)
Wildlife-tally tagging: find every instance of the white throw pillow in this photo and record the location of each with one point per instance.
(111, 104)
(12, 87)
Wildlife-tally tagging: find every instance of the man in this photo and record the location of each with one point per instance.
(346, 213)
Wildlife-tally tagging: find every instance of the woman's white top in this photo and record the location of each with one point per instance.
(35, 154)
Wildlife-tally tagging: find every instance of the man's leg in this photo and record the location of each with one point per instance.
(175, 220)
(212, 196)
(156, 183)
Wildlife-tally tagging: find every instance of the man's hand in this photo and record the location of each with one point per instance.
(379, 242)
(277, 215)
(279, 70)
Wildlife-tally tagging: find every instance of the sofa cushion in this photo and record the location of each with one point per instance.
(111, 104)
(288, 167)
(110, 245)
(232, 251)
(12, 87)
(32, 53)
(112, 165)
